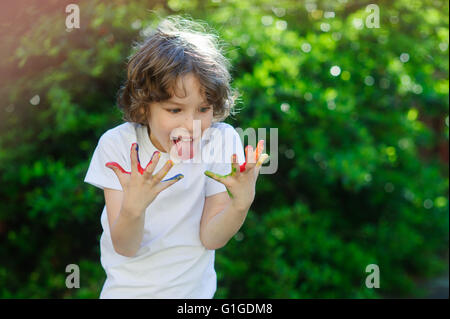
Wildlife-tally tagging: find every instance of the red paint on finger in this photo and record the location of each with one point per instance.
(242, 167)
(118, 166)
(259, 149)
(151, 160)
(139, 167)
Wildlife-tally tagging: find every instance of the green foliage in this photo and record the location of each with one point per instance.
(359, 181)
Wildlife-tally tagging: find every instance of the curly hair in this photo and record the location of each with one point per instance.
(176, 47)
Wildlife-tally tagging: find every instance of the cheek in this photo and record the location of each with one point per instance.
(161, 124)
(207, 120)
(206, 123)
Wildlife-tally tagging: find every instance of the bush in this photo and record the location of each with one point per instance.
(360, 178)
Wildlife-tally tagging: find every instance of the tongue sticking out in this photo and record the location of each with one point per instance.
(185, 149)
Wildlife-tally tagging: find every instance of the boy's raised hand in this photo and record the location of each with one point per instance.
(241, 181)
(140, 186)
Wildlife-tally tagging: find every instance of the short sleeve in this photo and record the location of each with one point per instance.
(224, 146)
(98, 174)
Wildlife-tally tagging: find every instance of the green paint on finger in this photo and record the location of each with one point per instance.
(212, 175)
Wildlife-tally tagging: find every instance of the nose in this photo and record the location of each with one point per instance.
(189, 123)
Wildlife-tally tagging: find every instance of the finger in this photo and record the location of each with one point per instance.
(140, 169)
(163, 171)
(168, 182)
(148, 171)
(251, 159)
(235, 169)
(134, 158)
(246, 152)
(259, 149)
(176, 177)
(251, 155)
(261, 161)
(243, 167)
(254, 156)
(114, 165)
(119, 171)
(214, 176)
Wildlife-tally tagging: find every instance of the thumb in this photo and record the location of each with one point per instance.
(220, 179)
(215, 176)
(167, 182)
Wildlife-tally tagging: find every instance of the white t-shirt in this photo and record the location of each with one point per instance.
(171, 262)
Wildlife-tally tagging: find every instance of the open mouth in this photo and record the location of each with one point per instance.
(184, 145)
(176, 139)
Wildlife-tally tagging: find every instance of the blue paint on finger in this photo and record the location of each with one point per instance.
(137, 150)
(178, 176)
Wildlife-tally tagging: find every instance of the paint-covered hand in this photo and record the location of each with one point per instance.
(241, 181)
(140, 186)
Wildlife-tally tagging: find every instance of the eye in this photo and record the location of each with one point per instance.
(205, 109)
(173, 111)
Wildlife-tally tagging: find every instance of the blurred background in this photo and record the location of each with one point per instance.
(362, 116)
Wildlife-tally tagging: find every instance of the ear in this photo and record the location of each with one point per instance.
(144, 114)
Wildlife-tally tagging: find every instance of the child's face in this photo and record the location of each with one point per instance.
(169, 120)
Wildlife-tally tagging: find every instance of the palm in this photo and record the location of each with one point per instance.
(242, 178)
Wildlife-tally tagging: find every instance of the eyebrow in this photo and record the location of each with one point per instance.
(181, 104)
